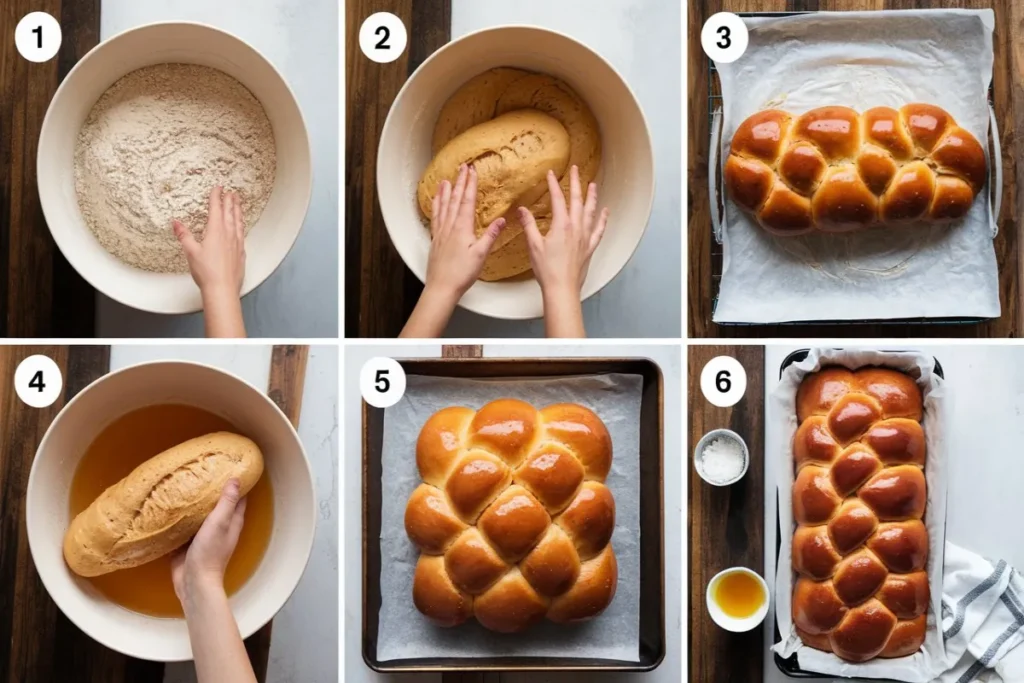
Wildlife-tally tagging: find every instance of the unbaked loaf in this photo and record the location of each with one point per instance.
(832, 169)
(160, 505)
(486, 97)
(860, 548)
(513, 520)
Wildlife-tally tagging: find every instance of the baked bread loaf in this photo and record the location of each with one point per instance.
(161, 505)
(860, 547)
(513, 519)
(832, 169)
(512, 154)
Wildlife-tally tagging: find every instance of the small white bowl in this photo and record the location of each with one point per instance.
(732, 623)
(626, 177)
(78, 424)
(708, 438)
(268, 242)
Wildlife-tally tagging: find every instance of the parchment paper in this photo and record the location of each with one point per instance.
(928, 663)
(861, 59)
(405, 633)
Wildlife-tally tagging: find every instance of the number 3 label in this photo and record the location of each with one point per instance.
(382, 382)
(382, 37)
(724, 37)
(723, 381)
(38, 381)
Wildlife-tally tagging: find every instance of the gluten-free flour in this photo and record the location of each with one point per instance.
(154, 146)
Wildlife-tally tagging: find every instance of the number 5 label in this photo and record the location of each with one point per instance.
(724, 37)
(382, 382)
(723, 381)
(38, 381)
(382, 37)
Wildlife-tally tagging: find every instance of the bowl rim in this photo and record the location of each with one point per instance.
(731, 623)
(728, 433)
(185, 309)
(101, 636)
(402, 248)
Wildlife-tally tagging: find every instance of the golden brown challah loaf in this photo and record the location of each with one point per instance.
(860, 546)
(513, 519)
(833, 169)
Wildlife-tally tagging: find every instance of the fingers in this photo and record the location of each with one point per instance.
(226, 506)
(575, 197)
(458, 192)
(589, 209)
(446, 195)
(185, 239)
(239, 221)
(467, 207)
(216, 210)
(435, 214)
(595, 237)
(237, 522)
(533, 236)
(228, 208)
(557, 198)
(486, 241)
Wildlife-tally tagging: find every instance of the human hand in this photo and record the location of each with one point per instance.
(218, 262)
(561, 258)
(200, 566)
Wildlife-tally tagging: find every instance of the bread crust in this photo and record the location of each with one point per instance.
(160, 505)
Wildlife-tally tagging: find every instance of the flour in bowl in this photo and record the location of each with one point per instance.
(154, 146)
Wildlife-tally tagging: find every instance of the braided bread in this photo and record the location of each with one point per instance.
(860, 545)
(833, 169)
(513, 520)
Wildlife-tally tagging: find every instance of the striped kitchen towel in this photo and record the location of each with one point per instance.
(982, 619)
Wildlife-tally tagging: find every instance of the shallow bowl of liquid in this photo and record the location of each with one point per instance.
(737, 599)
(625, 179)
(171, 390)
(268, 241)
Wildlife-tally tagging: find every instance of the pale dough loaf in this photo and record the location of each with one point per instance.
(512, 180)
(161, 505)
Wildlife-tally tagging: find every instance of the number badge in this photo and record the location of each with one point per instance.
(38, 381)
(723, 381)
(724, 37)
(382, 382)
(38, 37)
(383, 37)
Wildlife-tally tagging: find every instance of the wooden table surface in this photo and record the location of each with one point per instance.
(41, 295)
(725, 524)
(380, 290)
(38, 644)
(1007, 80)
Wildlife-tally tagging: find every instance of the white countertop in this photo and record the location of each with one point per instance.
(985, 435)
(300, 300)
(305, 637)
(640, 38)
(668, 357)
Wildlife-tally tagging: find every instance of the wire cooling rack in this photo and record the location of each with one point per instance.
(715, 104)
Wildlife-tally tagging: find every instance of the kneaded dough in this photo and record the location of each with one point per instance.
(503, 117)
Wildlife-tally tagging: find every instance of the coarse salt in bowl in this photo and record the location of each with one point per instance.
(721, 457)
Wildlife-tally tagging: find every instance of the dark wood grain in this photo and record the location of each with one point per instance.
(726, 524)
(464, 351)
(380, 291)
(287, 379)
(41, 295)
(1009, 108)
(32, 628)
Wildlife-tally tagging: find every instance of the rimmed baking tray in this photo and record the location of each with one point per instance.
(789, 665)
(652, 536)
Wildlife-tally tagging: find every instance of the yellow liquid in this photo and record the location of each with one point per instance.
(124, 445)
(739, 595)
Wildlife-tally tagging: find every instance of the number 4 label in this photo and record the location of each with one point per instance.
(38, 381)
(724, 37)
(382, 382)
(723, 381)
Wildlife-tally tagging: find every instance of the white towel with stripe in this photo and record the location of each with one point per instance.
(982, 619)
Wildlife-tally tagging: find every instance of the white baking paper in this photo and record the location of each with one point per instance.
(861, 59)
(931, 660)
(405, 633)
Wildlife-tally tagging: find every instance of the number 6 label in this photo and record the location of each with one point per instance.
(724, 37)
(382, 382)
(382, 37)
(723, 381)
(38, 381)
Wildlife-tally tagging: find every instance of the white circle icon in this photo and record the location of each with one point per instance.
(724, 37)
(382, 382)
(38, 381)
(38, 37)
(723, 381)
(382, 37)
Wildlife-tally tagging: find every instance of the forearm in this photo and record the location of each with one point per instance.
(217, 646)
(223, 315)
(563, 313)
(431, 315)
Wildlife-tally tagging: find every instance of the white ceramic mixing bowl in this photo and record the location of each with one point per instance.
(268, 242)
(626, 179)
(78, 424)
